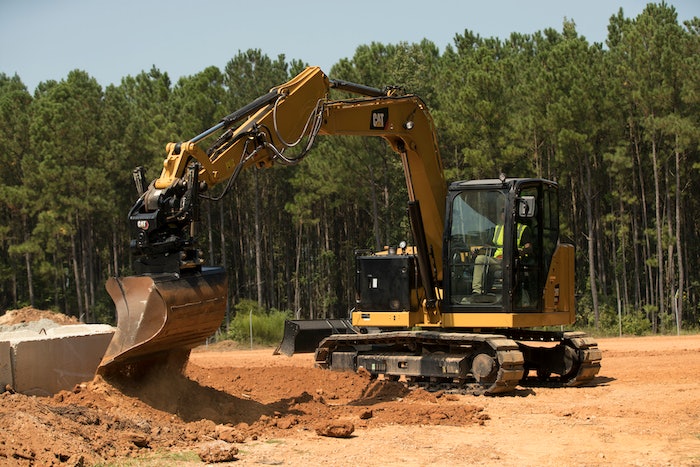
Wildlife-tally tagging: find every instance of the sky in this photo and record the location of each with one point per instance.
(44, 40)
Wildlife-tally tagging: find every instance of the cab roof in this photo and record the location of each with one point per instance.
(497, 183)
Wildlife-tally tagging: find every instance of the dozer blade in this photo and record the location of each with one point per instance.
(302, 336)
(160, 318)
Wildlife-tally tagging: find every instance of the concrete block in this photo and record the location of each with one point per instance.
(5, 365)
(20, 334)
(79, 329)
(56, 359)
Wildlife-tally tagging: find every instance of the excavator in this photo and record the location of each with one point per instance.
(471, 302)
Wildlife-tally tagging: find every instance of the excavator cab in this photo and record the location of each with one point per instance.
(502, 237)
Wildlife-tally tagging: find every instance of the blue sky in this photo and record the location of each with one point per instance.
(45, 39)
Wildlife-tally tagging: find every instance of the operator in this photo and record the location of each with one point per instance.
(524, 243)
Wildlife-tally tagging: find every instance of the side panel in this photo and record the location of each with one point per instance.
(383, 319)
(559, 294)
(389, 293)
(386, 283)
(504, 320)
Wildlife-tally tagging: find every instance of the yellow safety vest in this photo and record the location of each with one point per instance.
(498, 239)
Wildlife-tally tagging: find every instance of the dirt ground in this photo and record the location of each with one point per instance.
(252, 408)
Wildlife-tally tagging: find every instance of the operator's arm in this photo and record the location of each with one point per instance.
(525, 240)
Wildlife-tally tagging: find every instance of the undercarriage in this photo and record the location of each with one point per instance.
(478, 363)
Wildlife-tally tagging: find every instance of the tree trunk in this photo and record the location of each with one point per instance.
(536, 153)
(28, 264)
(236, 256)
(222, 239)
(599, 240)
(297, 272)
(210, 234)
(222, 234)
(57, 278)
(591, 253)
(76, 278)
(257, 241)
(649, 294)
(270, 268)
(670, 262)
(375, 212)
(14, 290)
(115, 254)
(623, 250)
(659, 238)
(638, 267)
(678, 299)
(88, 270)
(30, 282)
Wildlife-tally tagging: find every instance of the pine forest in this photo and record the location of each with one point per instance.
(617, 125)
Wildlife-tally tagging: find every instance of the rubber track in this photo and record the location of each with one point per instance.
(589, 357)
(511, 363)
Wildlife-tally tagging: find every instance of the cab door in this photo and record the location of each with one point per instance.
(536, 208)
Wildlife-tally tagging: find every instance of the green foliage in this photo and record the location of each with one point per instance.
(103, 311)
(612, 323)
(636, 323)
(267, 325)
(667, 323)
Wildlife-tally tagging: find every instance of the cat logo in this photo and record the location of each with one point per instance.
(380, 118)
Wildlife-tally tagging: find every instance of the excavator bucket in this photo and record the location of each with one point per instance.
(302, 336)
(160, 318)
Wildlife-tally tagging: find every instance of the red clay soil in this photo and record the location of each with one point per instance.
(262, 409)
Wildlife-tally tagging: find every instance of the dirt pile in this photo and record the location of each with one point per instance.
(102, 420)
(29, 314)
(33, 319)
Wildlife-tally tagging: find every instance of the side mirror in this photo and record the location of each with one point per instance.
(526, 207)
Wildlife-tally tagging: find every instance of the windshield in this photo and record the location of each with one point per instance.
(476, 247)
(475, 214)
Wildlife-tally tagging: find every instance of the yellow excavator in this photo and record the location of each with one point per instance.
(466, 304)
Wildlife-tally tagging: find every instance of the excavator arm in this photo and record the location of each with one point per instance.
(405, 123)
(174, 302)
(256, 135)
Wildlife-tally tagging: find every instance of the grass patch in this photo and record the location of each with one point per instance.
(274, 441)
(157, 459)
